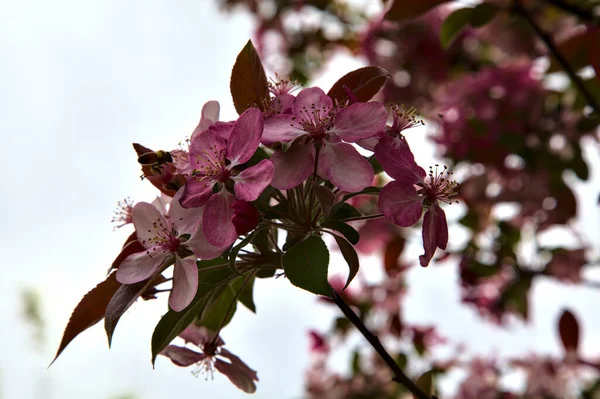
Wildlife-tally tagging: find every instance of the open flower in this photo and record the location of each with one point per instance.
(314, 119)
(403, 204)
(213, 356)
(162, 237)
(214, 160)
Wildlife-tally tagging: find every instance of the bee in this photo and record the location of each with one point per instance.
(155, 158)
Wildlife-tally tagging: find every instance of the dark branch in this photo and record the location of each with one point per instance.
(374, 341)
(545, 37)
(583, 13)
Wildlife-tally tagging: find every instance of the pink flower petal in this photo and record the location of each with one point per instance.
(311, 98)
(278, 128)
(400, 203)
(198, 335)
(282, 104)
(184, 220)
(185, 283)
(147, 221)
(196, 192)
(293, 166)
(139, 267)
(345, 167)
(237, 371)
(182, 356)
(206, 150)
(218, 214)
(251, 182)
(222, 129)
(209, 116)
(359, 121)
(245, 136)
(398, 161)
(200, 246)
(435, 233)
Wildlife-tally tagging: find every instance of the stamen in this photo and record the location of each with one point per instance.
(123, 214)
(404, 119)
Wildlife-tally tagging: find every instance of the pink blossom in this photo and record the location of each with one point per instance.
(402, 119)
(162, 237)
(315, 120)
(318, 343)
(123, 213)
(403, 204)
(216, 163)
(213, 356)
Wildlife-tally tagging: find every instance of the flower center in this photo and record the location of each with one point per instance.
(403, 119)
(315, 121)
(440, 187)
(212, 166)
(165, 239)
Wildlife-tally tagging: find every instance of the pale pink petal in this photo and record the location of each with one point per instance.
(309, 99)
(196, 192)
(218, 214)
(435, 233)
(252, 181)
(237, 371)
(185, 283)
(148, 222)
(345, 167)
(201, 247)
(209, 116)
(245, 136)
(282, 104)
(206, 150)
(222, 129)
(184, 221)
(160, 202)
(400, 203)
(280, 128)
(398, 161)
(182, 356)
(293, 166)
(198, 335)
(370, 143)
(359, 121)
(139, 266)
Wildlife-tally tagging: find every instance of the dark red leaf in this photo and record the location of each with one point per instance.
(89, 311)
(391, 254)
(131, 246)
(248, 85)
(364, 83)
(568, 327)
(405, 9)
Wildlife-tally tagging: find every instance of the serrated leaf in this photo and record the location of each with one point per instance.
(483, 13)
(123, 298)
(325, 197)
(348, 231)
(454, 24)
(89, 311)
(173, 323)
(248, 84)
(349, 254)
(406, 9)
(363, 83)
(305, 265)
(568, 328)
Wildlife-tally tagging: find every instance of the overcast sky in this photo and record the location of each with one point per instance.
(81, 81)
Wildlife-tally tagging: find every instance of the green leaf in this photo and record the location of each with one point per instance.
(343, 211)
(364, 83)
(236, 249)
(89, 311)
(349, 254)
(453, 24)
(377, 168)
(371, 190)
(483, 13)
(426, 383)
(246, 296)
(173, 323)
(248, 85)
(348, 231)
(306, 264)
(220, 307)
(326, 198)
(406, 9)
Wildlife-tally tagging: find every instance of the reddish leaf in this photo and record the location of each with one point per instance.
(364, 83)
(131, 246)
(405, 9)
(140, 149)
(392, 253)
(248, 85)
(89, 311)
(579, 50)
(122, 299)
(569, 331)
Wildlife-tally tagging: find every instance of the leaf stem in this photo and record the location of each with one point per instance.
(367, 217)
(547, 39)
(399, 375)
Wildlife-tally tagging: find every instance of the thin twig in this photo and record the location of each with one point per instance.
(545, 37)
(367, 217)
(400, 377)
(583, 13)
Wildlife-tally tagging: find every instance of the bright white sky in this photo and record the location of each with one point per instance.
(81, 81)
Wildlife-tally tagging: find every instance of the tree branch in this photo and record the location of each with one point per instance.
(374, 341)
(547, 39)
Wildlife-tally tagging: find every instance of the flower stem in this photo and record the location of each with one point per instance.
(367, 217)
(399, 375)
(553, 49)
